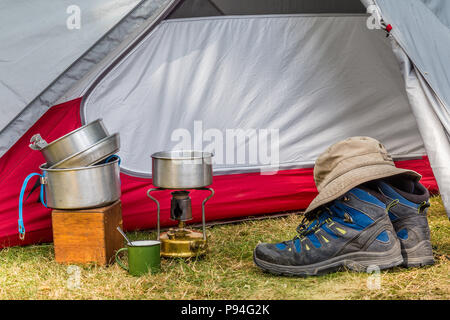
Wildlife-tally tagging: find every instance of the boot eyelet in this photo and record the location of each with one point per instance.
(348, 218)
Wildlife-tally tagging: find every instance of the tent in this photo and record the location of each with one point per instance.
(265, 84)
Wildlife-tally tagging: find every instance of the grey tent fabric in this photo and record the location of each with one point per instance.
(440, 8)
(288, 73)
(421, 27)
(247, 7)
(196, 8)
(124, 36)
(65, 83)
(36, 45)
(423, 102)
(32, 94)
(205, 8)
(418, 31)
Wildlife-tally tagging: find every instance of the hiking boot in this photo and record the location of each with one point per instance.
(409, 217)
(354, 231)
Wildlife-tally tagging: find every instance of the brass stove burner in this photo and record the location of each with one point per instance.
(181, 242)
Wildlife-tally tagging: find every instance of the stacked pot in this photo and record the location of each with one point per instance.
(82, 170)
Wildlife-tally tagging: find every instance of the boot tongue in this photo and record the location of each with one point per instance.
(416, 195)
(372, 188)
(408, 186)
(409, 189)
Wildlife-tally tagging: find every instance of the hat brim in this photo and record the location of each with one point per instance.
(344, 183)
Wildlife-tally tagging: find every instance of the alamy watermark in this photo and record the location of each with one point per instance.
(374, 279)
(74, 280)
(374, 21)
(73, 21)
(233, 147)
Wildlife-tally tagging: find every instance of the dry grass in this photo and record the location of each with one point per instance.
(227, 272)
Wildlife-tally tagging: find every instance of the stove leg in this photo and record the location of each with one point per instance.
(158, 209)
(203, 210)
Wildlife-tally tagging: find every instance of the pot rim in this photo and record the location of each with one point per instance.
(112, 137)
(144, 243)
(76, 169)
(71, 132)
(185, 155)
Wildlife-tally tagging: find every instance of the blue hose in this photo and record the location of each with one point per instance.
(22, 192)
(113, 157)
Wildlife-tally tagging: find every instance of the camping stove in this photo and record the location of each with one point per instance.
(180, 241)
(180, 171)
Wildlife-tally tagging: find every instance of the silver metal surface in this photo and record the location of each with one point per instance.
(82, 188)
(180, 206)
(71, 143)
(158, 209)
(37, 143)
(123, 234)
(203, 210)
(182, 169)
(96, 153)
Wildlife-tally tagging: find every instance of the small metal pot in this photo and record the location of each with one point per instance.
(96, 153)
(81, 188)
(182, 169)
(70, 144)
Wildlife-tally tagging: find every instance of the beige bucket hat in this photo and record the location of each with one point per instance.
(349, 163)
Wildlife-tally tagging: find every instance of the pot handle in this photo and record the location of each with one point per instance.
(119, 262)
(37, 143)
(113, 157)
(22, 192)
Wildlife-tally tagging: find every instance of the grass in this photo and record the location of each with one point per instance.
(227, 272)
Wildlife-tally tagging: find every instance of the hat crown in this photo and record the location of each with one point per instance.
(347, 155)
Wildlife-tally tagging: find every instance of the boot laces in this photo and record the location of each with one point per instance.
(304, 228)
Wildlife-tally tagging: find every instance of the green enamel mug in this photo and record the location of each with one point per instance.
(143, 257)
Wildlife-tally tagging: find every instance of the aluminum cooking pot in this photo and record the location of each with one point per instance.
(70, 144)
(81, 188)
(94, 154)
(182, 169)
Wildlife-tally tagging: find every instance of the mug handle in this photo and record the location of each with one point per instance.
(118, 260)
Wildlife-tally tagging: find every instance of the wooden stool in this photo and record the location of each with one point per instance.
(87, 236)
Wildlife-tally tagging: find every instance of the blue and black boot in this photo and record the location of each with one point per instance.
(409, 217)
(353, 231)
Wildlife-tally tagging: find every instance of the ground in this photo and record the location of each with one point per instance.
(227, 272)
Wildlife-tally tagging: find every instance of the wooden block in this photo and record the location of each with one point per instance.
(87, 236)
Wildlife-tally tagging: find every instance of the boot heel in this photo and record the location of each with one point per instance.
(418, 256)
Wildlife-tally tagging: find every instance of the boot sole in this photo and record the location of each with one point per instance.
(356, 261)
(418, 256)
